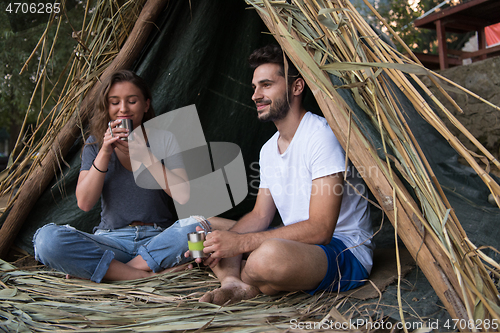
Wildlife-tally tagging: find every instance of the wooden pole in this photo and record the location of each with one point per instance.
(44, 173)
(442, 48)
(403, 211)
(481, 42)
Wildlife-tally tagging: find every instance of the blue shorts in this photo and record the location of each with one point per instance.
(341, 262)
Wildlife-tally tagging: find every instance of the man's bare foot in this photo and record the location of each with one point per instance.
(232, 290)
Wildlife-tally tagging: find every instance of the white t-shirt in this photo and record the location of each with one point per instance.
(315, 152)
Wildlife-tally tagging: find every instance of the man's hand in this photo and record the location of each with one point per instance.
(209, 261)
(223, 244)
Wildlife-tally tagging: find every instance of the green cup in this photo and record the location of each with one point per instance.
(195, 244)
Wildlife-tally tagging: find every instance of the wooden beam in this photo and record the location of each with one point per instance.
(41, 177)
(487, 51)
(427, 58)
(447, 12)
(441, 37)
(481, 42)
(461, 23)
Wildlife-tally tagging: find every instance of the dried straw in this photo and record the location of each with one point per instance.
(44, 301)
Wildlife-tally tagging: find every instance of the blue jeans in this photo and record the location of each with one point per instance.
(88, 256)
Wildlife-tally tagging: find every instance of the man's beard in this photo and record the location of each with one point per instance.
(278, 109)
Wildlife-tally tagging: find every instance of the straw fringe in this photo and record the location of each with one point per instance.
(44, 301)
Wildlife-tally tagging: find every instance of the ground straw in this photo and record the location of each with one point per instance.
(44, 301)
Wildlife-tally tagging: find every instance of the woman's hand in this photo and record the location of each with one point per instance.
(139, 152)
(90, 182)
(112, 138)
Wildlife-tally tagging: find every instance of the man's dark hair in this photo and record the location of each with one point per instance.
(273, 54)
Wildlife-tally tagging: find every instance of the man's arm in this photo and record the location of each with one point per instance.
(324, 210)
(229, 243)
(261, 215)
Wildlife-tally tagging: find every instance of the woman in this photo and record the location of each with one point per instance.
(137, 236)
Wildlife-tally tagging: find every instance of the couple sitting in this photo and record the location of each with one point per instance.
(325, 243)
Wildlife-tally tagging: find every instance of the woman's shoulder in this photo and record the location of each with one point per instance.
(91, 146)
(91, 140)
(90, 151)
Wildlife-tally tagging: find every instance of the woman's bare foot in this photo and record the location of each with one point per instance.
(140, 273)
(68, 277)
(183, 267)
(232, 290)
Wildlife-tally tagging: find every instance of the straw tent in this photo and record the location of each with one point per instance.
(382, 114)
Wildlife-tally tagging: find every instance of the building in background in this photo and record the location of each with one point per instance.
(492, 33)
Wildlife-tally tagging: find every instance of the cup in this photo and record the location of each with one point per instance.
(195, 244)
(126, 123)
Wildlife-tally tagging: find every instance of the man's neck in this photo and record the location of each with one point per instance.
(288, 126)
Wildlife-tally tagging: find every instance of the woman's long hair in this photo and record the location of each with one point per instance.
(100, 118)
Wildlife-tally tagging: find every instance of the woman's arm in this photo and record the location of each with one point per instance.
(174, 182)
(90, 182)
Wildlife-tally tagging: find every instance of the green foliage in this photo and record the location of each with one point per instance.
(401, 17)
(19, 34)
(400, 14)
(15, 90)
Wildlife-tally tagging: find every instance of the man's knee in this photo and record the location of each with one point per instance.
(267, 262)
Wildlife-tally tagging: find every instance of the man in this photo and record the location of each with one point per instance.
(302, 175)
